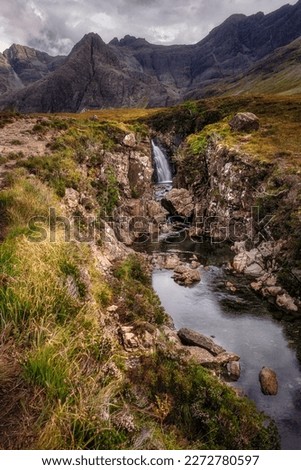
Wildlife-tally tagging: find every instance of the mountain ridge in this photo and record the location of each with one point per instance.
(133, 72)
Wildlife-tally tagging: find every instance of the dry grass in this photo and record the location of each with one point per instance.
(114, 114)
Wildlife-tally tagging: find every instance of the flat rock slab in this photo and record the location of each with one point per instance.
(193, 338)
(206, 359)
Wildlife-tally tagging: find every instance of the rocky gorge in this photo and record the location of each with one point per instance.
(98, 175)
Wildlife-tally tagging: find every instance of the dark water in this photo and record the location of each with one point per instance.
(244, 324)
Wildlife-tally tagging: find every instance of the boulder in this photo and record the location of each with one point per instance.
(240, 262)
(254, 270)
(273, 290)
(186, 276)
(268, 381)
(193, 338)
(207, 359)
(178, 202)
(287, 302)
(233, 369)
(171, 261)
(130, 140)
(244, 122)
(256, 285)
(156, 211)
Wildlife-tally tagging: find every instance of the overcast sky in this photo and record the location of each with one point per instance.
(55, 26)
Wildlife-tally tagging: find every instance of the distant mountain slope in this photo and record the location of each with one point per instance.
(279, 73)
(29, 64)
(133, 72)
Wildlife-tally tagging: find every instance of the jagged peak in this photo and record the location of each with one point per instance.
(17, 48)
(89, 39)
(235, 18)
(129, 40)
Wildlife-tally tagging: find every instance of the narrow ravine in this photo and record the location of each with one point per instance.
(239, 321)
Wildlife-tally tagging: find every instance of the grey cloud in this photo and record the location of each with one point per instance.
(55, 25)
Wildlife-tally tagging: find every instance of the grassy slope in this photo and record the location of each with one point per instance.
(60, 351)
(279, 73)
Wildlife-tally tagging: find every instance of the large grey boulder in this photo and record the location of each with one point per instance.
(178, 202)
(268, 381)
(193, 338)
(244, 122)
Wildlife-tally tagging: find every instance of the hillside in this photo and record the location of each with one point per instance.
(134, 73)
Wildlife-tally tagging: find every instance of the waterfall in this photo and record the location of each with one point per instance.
(162, 166)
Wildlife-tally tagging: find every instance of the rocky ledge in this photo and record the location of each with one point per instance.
(261, 263)
(185, 273)
(204, 351)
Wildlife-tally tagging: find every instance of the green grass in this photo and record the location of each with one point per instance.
(140, 303)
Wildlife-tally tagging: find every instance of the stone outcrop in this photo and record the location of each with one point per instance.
(139, 337)
(232, 197)
(244, 122)
(268, 381)
(262, 263)
(206, 352)
(178, 202)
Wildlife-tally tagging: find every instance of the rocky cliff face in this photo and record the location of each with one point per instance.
(29, 64)
(247, 195)
(8, 79)
(133, 72)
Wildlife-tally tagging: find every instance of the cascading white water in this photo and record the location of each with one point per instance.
(162, 166)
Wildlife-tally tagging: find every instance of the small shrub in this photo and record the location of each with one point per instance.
(207, 412)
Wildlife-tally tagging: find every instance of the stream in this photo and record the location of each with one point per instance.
(241, 322)
(244, 324)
